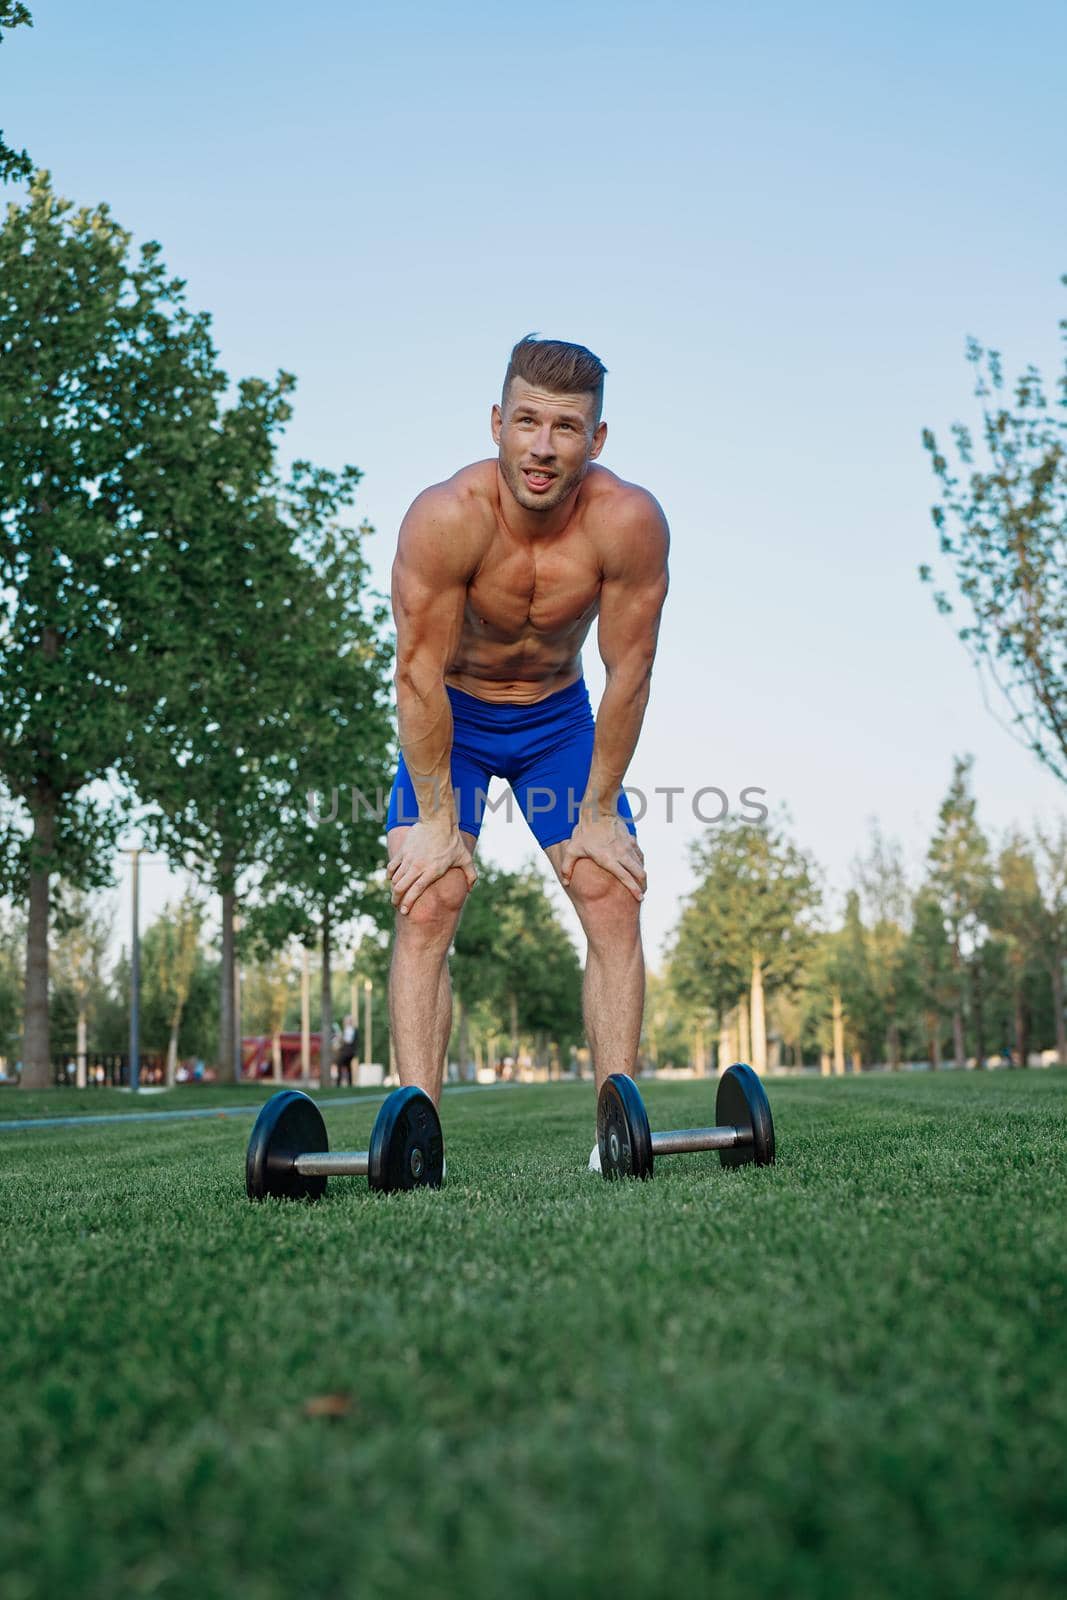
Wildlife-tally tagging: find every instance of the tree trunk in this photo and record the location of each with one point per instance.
(36, 1051)
(172, 1053)
(759, 1019)
(1022, 1041)
(838, 1023)
(276, 1057)
(744, 1041)
(238, 1026)
(933, 1032)
(513, 1009)
(959, 1047)
(957, 1037)
(83, 1052)
(857, 1062)
(979, 1015)
(1058, 1008)
(464, 1042)
(700, 1060)
(826, 1064)
(326, 1006)
(894, 1046)
(305, 1016)
(726, 1045)
(227, 1045)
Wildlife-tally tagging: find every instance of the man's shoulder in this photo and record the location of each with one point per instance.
(453, 517)
(624, 512)
(467, 494)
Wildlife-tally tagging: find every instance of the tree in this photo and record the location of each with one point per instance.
(12, 956)
(322, 869)
(1003, 528)
(175, 954)
(886, 902)
(749, 922)
(1016, 915)
(514, 963)
(930, 976)
(851, 965)
(670, 1028)
(960, 878)
(14, 164)
(268, 992)
(83, 934)
(109, 385)
(1051, 860)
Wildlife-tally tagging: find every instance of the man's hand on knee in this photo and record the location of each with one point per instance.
(427, 851)
(608, 842)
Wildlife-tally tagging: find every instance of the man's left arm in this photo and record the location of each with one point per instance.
(633, 589)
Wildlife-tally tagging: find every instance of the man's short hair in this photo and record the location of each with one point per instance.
(558, 367)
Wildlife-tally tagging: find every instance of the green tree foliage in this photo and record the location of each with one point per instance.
(672, 1027)
(322, 853)
(931, 982)
(514, 961)
(14, 164)
(1016, 916)
(82, 934)
(1002, 521)
(749, 922)
(175, 955)
(960, 878)
(851, 956)
(270, 987)
(199, 1020)
(109, 383)
(1051, 858)
(886, 903)
(12, 960)
(369, 958)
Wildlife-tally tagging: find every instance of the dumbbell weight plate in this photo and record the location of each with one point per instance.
(622, 1131)
(289, 1124)
(741, 1102)
(407, 1150)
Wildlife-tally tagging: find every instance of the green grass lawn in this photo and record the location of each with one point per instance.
(17, 1105)
(841, 1376)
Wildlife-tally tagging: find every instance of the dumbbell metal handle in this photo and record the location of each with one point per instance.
(682, 1140)
(334, 1163)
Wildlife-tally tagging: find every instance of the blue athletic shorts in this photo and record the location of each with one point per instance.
(543, 751)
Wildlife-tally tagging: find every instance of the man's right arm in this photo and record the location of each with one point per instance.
(435, 560)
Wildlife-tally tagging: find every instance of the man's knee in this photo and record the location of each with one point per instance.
(604, 904)
(436, 911)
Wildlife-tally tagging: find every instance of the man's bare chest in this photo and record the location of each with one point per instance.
(545, 590)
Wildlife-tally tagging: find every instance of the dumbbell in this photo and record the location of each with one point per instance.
(628, 1146)
(289, 1155)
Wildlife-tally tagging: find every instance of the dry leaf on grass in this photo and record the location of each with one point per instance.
(328, 1405)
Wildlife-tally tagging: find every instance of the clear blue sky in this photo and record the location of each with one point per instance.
(776, 224)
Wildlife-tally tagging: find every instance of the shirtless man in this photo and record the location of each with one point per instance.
(499, 573)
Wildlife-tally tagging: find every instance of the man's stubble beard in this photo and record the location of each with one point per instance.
(539, 502)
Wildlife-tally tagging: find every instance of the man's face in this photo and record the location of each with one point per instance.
(546, 443)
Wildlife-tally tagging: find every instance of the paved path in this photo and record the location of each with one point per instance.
(372, 1097)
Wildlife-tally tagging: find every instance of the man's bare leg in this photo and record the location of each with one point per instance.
(613, 990)
(420, 993)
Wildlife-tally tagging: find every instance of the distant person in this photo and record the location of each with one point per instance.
(347, 1049)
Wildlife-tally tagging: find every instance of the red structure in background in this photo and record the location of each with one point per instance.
(257, 1059)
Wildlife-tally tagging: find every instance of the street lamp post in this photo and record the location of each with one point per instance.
(135, 975)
